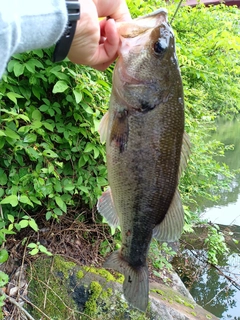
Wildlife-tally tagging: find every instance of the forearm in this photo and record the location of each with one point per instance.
(27, 25)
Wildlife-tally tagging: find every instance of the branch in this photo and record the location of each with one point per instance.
(13, 301)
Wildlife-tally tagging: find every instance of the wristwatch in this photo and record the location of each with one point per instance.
(64, 43)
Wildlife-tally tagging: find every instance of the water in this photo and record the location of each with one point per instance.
(213, 291)
(227, 211)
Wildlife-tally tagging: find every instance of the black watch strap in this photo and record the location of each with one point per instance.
(64, 43)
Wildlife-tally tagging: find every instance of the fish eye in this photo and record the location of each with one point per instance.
(158, 48)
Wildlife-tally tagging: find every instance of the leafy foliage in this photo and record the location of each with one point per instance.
(50, 154)
(216, 244)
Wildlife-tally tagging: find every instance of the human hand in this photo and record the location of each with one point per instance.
(96, 42)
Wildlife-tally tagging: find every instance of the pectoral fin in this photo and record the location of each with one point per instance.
(106, 208)
(103, 127)
(170, 228)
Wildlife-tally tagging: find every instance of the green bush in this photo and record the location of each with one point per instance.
(50, 155)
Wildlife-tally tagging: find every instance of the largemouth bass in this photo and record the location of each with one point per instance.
(144, 133)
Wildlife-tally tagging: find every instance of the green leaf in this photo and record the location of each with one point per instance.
(44, 107)
(34, 252)
(36, 115)
(3, 177)
(2, 133)
(35, 125)
(35, 200)
(1, 192)
(61, 204)
(48, 215)
(3, 256)
(60, 86)
(86, 108)
(33, 154)
(26, 200)
(44, 250)
(30, 66)
(12, 200)
(77, 95)
(38, 52)
(3, 279)
(31, 137)
(89, 147)
(11, 134)
(33, 225)
(84, 189)
(23, 223)
(49, 153)
(32, 245)
(48, 126)
(2, 142)
(10, 218)
(18, 68)
(96, 152)
(58, 211)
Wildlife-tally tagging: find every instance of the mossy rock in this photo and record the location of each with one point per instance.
(62, 290)
(59, 289)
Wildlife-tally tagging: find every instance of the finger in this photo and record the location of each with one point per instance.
(107, 51)
(104, 66)
(117, 10)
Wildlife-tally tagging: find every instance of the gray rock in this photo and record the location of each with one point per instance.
(64, 290)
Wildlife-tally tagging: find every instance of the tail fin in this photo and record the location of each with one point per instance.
(135, 286)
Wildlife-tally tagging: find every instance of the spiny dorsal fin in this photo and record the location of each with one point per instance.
(107, 209)
(170, 228)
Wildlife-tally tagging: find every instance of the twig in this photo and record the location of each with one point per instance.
(13, 301)
(223, 289)
(46, 292)
(38, 309)
(233, 282)
(66, 306)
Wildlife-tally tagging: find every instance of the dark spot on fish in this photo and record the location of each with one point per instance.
(129, 279)
(128, 233)
(119, 133)
(146, 106)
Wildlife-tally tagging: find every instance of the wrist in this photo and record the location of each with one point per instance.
(64, 43)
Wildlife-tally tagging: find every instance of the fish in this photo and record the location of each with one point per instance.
(146, 149)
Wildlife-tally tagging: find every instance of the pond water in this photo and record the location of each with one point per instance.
(227, 211)
(213, 290)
